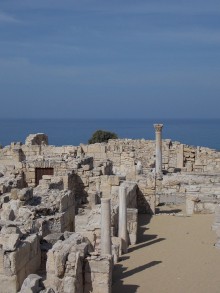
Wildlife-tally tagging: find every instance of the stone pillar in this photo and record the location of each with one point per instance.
(106, 246)
(158, 133)
(122, 226)
(190, 204)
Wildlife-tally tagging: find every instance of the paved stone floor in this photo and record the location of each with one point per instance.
(174, 254)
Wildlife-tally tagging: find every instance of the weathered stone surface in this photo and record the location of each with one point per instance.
(64, 264)
(82, 176)
(37, 139)
(9, 242)
(8, 284)
(25, 194)
(53, 238)
(32, 284)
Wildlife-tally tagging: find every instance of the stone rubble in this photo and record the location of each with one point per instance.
(50, 205)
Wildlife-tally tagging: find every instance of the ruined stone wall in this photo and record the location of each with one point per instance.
(26, 217)
(97, 170)
(125, 156)
(126, 153)
(72, 267)
(19, 257)
(201, 190)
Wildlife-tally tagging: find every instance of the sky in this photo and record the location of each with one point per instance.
(109, 58)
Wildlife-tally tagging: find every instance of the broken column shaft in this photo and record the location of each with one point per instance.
(106, 247)
(122, 232)
(158, 133)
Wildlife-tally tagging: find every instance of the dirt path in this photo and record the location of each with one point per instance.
(174, 254)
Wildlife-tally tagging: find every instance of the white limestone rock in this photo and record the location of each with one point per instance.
(32, 284)
(9, 242)
(36, 139)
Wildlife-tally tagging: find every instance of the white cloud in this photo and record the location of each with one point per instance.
(5, 17)
(23, 71)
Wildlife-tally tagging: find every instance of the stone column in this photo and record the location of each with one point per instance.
(122, 226)
(106, 246)
(158, 133)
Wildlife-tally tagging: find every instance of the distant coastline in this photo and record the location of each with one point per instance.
(198, 132)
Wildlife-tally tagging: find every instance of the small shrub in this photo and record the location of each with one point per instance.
(102, 136)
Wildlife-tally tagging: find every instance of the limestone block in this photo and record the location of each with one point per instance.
(25, 214)
(14, 193)
(36, 139)
(50, 266)
(30, 176)
(9, 284)
(9, 242)
(105, 189)
(32, 284)
(209, 208)
(179, 163)
(53, 238)
(199, 207)
(117, 241)
(7, 215)
(34, 241)
(94, 148)
(20, 257)
(84, 148)
(47, 177)
(63, 203)
(193, 188)
(25, 194)
(11, 229)
(132, 218)
(190, 205)
(115, 191)
(99, 265)
(113, 180)
(99, 283)
(69, 285)
(98, 274)
(60, 259)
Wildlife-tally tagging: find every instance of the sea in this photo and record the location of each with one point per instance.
(203, 132)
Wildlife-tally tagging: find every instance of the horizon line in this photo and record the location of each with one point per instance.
(106, 118)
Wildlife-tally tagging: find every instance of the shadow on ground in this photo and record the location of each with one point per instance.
(143, 239)
(121, 273)
(172, 211)
(163, 208)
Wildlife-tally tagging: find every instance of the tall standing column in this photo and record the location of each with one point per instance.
(122, 229)
(158, 133)
(106, 247)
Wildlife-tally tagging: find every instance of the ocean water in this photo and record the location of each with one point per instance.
(76, 131)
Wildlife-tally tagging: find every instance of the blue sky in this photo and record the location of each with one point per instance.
(113, 59)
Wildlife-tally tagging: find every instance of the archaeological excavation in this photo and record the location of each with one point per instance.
(69, 213)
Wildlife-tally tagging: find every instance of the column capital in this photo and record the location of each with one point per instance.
(158, 127)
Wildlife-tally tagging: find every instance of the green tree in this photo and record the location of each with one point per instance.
(102, 136)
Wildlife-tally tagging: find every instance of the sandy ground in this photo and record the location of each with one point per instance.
(174, 254)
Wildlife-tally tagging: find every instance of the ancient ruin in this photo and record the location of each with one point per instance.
(68, 213)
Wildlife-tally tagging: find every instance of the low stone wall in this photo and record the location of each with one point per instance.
(201, 191)
(18, 258)
(98, 274)
(71, 269)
